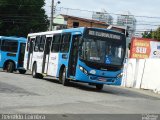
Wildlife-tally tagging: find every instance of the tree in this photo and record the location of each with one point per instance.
(152, 34)
(20, 17)
(156, 34)
(147, 34)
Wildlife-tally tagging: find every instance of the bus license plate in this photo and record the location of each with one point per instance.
(102, 79)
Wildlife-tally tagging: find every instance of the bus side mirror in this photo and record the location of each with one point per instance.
(127, 34)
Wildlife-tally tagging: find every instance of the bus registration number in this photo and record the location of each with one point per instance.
(102, 79)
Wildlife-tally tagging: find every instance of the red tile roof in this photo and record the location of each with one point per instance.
(84, 19)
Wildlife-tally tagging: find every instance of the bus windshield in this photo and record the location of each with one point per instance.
(100, 51)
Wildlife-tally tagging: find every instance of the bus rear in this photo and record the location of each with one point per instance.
(12, 53)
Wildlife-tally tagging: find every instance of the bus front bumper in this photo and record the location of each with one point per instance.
(98, 79)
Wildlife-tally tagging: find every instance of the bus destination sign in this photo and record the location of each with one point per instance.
(104, 34)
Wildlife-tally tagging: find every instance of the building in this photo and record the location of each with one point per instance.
(138, 34)
(129, 21)
(103, 17)
(66, 21)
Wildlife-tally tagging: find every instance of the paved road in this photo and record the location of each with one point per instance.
(24, 94)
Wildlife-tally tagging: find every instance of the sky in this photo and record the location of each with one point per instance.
(138, 8)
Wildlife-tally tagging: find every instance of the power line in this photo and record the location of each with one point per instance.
(109, 13)
(23, 17)
(148, 24)
(156, 17)
(3, 3)
(36, 16)
(14, 18)
(20, 22)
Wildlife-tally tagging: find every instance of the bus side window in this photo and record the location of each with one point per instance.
(48, 45)
(65, 42)
(0, 43)
(37, 42)
(28, 44)
(42, 43)
(9, 46)
(56, 43)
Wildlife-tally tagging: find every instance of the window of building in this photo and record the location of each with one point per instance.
(9, 46)
(65, 44)
(75, 24)
(56, 43)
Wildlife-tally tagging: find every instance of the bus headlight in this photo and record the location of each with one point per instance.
(83, 70)
(92, 72)
(120, 75)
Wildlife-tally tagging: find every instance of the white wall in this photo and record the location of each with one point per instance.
(142, 73)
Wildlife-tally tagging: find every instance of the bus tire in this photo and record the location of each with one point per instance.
(22, 71)
(10, 67)
(34, 71)
(62, 77)
(40, 76)
(99, 86)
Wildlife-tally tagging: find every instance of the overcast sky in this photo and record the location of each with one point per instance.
(150, 8)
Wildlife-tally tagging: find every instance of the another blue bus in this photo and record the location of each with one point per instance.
(90, 55)
(12, 53)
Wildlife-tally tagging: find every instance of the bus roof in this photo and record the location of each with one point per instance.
(110, 30)
(80, 29)
(22, 39)
(57, 31)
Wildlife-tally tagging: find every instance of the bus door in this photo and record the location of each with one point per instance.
(54, 56)
(0, 53)
(46, 53)
(21, 54)
(74, 55)
(30, 51)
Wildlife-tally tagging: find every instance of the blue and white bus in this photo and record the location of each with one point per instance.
(90, 55)
(12, 53)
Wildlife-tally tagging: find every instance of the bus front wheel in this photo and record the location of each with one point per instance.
(62, 77)
(22, 71)
(10, 67)
(99, 86)
(34, 72)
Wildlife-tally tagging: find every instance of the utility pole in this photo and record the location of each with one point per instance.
(51, 19)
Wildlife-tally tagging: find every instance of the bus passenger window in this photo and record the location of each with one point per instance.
(37, 42)
(55, 43)
(65, 43)
(30, 44)
(42, 43)
(0, 44)
(9, 46)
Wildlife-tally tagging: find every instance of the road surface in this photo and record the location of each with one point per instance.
(24, 94)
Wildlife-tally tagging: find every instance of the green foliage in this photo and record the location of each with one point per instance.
(20, 17)
(152, 34)
(156, 34)
(147, 34)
